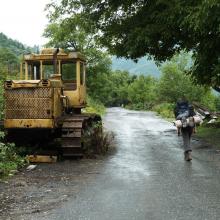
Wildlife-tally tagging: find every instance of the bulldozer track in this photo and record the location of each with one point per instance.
(73, 129)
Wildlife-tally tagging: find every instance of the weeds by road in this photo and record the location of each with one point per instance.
(210, 133)
(10, 160)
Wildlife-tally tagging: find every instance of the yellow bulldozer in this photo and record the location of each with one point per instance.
(46, 101)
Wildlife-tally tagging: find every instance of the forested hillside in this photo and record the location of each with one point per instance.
(10, 54)
(14, 46)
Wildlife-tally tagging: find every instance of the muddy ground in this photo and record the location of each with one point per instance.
(143, 176)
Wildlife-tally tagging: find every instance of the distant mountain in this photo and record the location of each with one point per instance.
(143, 66)
(15, 46)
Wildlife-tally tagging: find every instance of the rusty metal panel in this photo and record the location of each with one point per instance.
(29, 123)
(42, 159)
(28, 103)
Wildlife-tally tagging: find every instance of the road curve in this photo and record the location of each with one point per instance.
(146, 177)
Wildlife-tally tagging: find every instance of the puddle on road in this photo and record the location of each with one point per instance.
(126, 168)
(155, 134)
(170, 130)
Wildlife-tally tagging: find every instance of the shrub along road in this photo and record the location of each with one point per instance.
(145, 177)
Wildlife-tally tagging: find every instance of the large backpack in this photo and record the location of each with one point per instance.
(182, 107)
(184, 110)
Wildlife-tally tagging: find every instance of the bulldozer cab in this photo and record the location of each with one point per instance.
(67, 72)
(56, 65)
(46, 65)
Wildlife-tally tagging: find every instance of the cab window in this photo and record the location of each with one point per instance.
(68, 71)
(34, 70)
(48, 71)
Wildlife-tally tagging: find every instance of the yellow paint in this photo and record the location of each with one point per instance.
(24, 83)
(76, 98)
(21, 70)
(57, 104)
(59, 66)
(42, 159)
(41, 69)
(26, 71)
(49, 56)
(78, 74)
(29, 123)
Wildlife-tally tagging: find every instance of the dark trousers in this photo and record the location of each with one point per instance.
(187, 133)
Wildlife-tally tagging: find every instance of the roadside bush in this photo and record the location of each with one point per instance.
(1, 99)
(94, 106)
(136, 106)
(142, 93)
(9, 158)
(210, 133)
(211, 101)
(165, 110)
(217, 103)
(96, 141)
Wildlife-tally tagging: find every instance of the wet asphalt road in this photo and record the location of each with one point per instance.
(146, 178)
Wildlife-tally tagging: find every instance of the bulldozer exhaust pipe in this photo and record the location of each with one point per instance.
(56, 51)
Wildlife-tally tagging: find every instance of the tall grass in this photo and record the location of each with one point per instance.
(10, 160)
(165, 110)
(96, 141)
(94, 106)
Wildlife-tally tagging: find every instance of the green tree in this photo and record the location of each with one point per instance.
(72, 34)
(160, 28)
(120, 83)
(142, 92)
(111, 88)
(174, 84)
(9, 63)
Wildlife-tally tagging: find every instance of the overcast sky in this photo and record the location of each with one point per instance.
(24, 20)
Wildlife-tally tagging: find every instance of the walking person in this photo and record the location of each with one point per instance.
(184, 112)
(186, 134)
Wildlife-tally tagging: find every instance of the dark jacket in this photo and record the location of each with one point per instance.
(183, 107)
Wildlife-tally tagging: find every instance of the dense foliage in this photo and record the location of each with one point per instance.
(72, 26)
(71, 34)
(157, 27)
(94, 106)
(174, 83)
(11, 52)
(10, 160)
(119, 88)
(9, 64)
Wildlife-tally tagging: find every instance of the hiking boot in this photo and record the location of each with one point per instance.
(188, 155)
